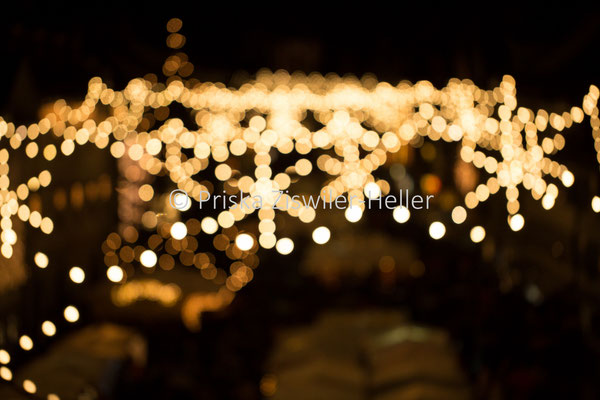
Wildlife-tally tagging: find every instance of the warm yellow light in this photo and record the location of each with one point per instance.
(244, 241)
(41, 260)
(459, 215)
(6, 373)
(148, 258)
(26, 343)
(48, 328)
(284, 246)
(567, 178)
(477, 234)
(4, 357)
(596, 204)
(437, 230)
(372, 190)
(71, 314)
(321, 235)
(401, 214)
(516, 222)
(267, 240)
(209, 225)
(29, 386)
(77, 275)
(115, 273)
(178, 230)
(353, 213)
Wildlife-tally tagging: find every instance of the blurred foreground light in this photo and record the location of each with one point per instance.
(401, 214)
(477, 234)
(29, 386)
(77, 275)
(437, 230)
(178, 230)
(41, 260)
(244, 241)
(548, 201)
(459, 215)
(516, 222)
(372, 190)
(267, 240)
(321, 235)
(353, 213)
(48, 328)
(567, 178)
(26, 343)
(209, 225)
(114, 273)
(4, 357)
(71, 314)
(148, 258)
(5, 373)
(596, 204)
(284, 246)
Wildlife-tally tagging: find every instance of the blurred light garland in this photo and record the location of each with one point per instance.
(362, 122)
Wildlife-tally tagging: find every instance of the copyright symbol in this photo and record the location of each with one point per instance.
(179, 199)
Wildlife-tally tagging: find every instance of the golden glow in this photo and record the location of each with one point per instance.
(48, 328)
(71, 314)
(6, 373)
(209, 225)
(148, 258)
(516, 222)
(178, 230)
(567, 178)
(321, 235)
(477, 234)
(150, 289)
(353, 213)
(244, 241)
(364, 126)
(41, 260)
(401, 214)
(284, 246)
(459, 215)
(4, 357)
(437, 230)
(26, 343)
(29, 386)
(596, 204)
(115, 273)
(77, 274)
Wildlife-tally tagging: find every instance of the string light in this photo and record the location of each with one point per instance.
(244, 241)
(321, 235)
(77, 274)
(4, 357)
(437, 230)
(596, 204)
(71, 314)
(26, 343)
(284, 246)
(401, 214)
(115, 273)
(148, 258)
(41, 260)
(477, 234)
(362, 125)
(6, 373)
(178, 230)
(48, 328)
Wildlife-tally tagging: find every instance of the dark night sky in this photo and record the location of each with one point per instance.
(552, 53)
